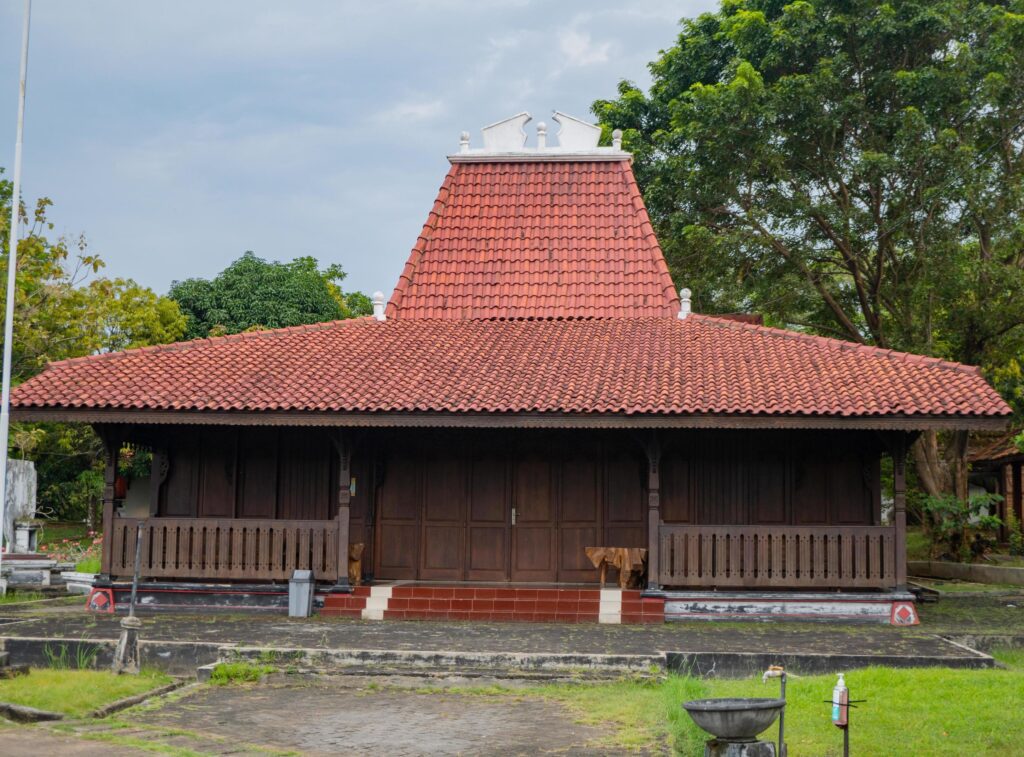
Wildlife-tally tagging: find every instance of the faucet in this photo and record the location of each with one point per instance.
(777, 671)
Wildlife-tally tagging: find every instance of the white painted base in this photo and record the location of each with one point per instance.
(377, 603)
(876, 608)
(610, 610)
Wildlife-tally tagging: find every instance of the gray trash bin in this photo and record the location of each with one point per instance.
(300, 594)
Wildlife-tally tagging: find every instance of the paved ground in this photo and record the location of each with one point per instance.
(535, 638)
(344, 715)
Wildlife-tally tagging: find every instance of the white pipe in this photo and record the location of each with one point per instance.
(12, 272)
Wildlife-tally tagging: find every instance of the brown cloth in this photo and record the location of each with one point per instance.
(355, 563)
(629, 560)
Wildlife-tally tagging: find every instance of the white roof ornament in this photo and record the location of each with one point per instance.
(575, 134)
(378, 306)
(684, 303)
(506, 141)
(508, 135)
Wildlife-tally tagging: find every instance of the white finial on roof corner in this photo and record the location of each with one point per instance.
(464, 142)
(684, 303)
(542, 135)
(378, 306)
(617, 139)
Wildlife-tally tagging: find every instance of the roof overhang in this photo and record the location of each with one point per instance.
(506, 420)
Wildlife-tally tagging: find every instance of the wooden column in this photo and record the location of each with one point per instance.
(899, 498)
(111, 448)
(344, 449)
(653, 450)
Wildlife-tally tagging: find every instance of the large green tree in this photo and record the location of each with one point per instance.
(849, 167)
(65, 309)
(255, 293)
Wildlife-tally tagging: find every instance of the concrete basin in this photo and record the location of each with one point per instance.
(734, 719)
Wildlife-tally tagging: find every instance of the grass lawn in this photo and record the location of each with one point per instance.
(54, 532)
(933, 711)
(957, 586)
(14, 596)
(76, 692)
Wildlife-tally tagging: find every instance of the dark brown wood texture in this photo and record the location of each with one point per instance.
(832, 557)
(248, 473)
(233, 549)
(446, 505)
(770, 478)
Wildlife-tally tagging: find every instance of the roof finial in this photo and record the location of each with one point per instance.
(542, 135)
(464, 142)
(617, 139)
(378, 306)
(684, 303)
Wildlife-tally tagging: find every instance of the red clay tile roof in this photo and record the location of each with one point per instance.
(626, 366)
(536, 240)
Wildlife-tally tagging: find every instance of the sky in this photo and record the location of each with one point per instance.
(177, 135)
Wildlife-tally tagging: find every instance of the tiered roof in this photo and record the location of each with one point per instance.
(536, 293)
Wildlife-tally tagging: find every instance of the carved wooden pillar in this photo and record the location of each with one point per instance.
(344, 449)
(653, 449)
(111, 448)
(899, 501)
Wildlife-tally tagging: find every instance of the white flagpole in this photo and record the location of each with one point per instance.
(12, 272)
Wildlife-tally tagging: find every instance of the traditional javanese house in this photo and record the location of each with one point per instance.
(533, 387)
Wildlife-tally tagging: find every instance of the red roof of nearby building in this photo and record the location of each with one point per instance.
(625, 366)
(536, 239)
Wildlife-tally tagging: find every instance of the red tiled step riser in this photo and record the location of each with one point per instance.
(496, 604)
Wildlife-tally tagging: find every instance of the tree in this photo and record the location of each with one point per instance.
(63, 309)
(254, 293)
(851, 168)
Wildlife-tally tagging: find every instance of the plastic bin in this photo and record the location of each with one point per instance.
(300, 594)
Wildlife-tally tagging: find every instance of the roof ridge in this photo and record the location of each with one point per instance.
(186, 344)
(843, 344)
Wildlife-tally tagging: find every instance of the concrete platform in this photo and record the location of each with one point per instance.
(181, 643)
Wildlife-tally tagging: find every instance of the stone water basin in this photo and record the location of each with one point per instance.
(734, 719)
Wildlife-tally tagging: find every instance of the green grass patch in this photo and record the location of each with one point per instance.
(238, 672)
(54, 532)
(933, 711)
(14, 597)
(89, 565)
(76, 692)
(954, 586)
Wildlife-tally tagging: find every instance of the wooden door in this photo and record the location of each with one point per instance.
(487, 550)
(535, 528)
(444, 519)
(398, 523)
(580, 519)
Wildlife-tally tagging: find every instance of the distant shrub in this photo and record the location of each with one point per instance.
(238, 672)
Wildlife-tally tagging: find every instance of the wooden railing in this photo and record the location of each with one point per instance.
(235, 549)
(784, 557)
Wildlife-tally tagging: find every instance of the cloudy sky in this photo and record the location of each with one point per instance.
(177, 135)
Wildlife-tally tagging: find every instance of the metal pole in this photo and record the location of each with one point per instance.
(12, 272)
(135, 575)
(782, 718)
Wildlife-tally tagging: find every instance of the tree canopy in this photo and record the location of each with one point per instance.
(64, 309)
(848, 167)
(253, 293)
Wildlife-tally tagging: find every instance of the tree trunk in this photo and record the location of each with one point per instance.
(942, 468)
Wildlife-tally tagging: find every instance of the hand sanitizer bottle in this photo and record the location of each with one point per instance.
(840, 698)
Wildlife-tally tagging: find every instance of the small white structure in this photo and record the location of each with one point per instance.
(507, 139)
(378, 306)
(685, 303)
(21, 497)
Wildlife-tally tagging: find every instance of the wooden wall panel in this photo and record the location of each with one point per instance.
(217, 473)
(625, 503)
(768, 496)
(304, 489)
(676, 501)
(180, 495)
(257, 473)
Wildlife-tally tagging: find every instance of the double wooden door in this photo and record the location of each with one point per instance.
(523, 517)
